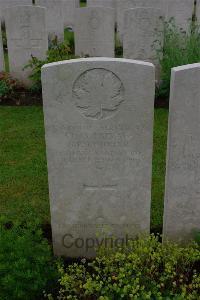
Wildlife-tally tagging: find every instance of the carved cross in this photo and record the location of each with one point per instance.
(101, 216)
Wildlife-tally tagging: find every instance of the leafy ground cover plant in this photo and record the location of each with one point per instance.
(26, 263)
(8, 86)
(180, 48)
(146, 269)
(12, 92)
(57, 52)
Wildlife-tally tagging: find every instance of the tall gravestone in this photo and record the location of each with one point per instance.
(9, 3)
(95, 31)
(123, 5)
(182, 194)
(26, 37)
(143, 34)
(2, 65)
(54, 18)
(181, 11)
(69, 7)
(99, 127)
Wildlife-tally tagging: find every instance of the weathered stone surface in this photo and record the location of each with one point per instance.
(69, 7)
(181, 11)
(54, 17)
(26, 37)
(95, 31)
(123, 5)
(2, 66)
(182, 205)
(8, 3)
(99, 124)
(104, 3)
(143, 34)
(198, 11)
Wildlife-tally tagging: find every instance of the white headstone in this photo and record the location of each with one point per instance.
(123, 5)
(9, 3)
(143, 33)
(99, 129)
(69, 7)
(181, 11)
(26, 37)
(182, 195)
(2, 64)
(54, 18)
(95, 31)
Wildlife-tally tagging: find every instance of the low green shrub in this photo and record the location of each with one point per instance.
(26, 264)
(4, 88)
(57, 52)
(180, 48)
(145, 270)
(9, 86)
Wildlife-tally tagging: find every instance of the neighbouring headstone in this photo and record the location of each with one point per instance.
(123, 5)
(54, 18)
(69, 7)
(198, 11)
(180, 11)
(9, 3)
(99, 128)
(2, 64)
(95, 31)
(182, 191)
(143, 34)
(102, 3)
(26, 37)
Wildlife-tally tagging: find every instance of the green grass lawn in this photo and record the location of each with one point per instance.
(23, 171)
(158, 173)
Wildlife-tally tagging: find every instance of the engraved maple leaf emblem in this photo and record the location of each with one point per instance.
(98, 93)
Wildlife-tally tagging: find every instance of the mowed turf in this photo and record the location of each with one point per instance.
(23, 167)
(23, 170)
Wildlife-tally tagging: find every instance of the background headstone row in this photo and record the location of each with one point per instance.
(139, 24)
